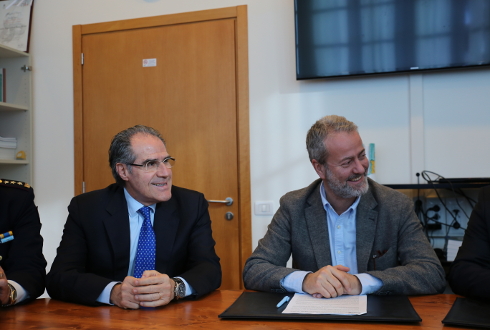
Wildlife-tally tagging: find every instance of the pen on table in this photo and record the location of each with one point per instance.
(283, 301)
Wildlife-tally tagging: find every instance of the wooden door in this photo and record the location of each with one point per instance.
(182, 80)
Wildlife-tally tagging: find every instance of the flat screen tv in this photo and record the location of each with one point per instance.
(337, 38)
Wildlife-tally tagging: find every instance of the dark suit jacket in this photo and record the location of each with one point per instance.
(94, 249)
(470, 272)
(385, 221)
(22, 258)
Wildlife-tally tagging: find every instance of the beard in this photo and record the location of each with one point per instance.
(342, 189)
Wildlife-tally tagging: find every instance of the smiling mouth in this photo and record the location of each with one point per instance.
(159, 184)
(356, 178)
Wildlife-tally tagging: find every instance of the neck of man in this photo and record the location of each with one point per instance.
(339, 204)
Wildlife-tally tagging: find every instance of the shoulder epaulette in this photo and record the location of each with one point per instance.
(15, 184)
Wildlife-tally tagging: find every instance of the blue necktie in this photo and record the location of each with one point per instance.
(145, 255)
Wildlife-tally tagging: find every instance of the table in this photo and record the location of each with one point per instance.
(193, 314)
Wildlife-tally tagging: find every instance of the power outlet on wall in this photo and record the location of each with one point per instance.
(264, 208)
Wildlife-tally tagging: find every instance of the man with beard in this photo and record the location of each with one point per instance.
(346, 233)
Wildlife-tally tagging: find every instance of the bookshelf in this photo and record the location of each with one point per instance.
(16, 112)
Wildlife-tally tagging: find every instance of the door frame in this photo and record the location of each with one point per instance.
(239, 14)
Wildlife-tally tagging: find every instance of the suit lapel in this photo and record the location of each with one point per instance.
(366, 220)
(316, 223)
(165, 225)
(117, 228)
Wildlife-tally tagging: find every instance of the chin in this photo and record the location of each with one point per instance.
(165, 197)
(364, 187)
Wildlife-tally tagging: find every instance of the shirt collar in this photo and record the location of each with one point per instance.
(326, 204)
(134, 205)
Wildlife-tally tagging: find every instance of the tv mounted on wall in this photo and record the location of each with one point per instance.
(337, 38)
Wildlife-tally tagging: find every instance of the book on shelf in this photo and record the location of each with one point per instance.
(8, 145)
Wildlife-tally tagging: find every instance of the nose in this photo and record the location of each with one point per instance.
(361, 166)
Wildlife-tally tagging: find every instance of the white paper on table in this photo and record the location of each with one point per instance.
(343, 305)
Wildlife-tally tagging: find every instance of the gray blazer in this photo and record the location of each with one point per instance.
(385, 222)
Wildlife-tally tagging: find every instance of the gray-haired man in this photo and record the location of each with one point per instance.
(346, 233)
(140, 242)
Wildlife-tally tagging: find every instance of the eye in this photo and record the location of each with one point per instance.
(151, 164)
(362, 156)
(346, 164)
(169, 162)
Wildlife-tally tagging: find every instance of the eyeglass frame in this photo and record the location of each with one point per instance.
(165, 162)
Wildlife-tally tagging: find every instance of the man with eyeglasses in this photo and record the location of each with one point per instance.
(140, 242)
(346, 233)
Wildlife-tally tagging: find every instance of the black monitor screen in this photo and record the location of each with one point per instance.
(356, 37)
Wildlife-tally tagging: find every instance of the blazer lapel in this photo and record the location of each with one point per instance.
(316, 223)
(117, 227)
(165, 225)
(366, 221)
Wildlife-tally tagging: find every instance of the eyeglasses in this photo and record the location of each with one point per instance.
(152, 165)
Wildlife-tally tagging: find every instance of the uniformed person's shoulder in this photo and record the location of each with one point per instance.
(14, 190)
(15, 184)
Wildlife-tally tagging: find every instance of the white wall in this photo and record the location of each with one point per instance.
(433, 121)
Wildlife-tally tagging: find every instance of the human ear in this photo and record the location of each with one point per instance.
(123, 171)
(319, 168)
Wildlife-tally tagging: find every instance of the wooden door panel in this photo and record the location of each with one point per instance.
(189, 96)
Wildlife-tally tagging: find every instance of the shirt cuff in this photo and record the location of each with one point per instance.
(294, 281)
(105, 296)
(22, 294)
(370, 284)
(188, 289)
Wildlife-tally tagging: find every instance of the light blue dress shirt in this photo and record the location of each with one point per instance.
(342, 236)
(135, 223)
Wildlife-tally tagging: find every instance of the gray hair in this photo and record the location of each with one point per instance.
(319, 132)
(120, 150)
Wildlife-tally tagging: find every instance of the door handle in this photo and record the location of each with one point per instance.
(228, 201)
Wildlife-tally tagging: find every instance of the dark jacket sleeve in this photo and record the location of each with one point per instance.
(470, 272)
(22, 257)
(73, 276)
(201, 268)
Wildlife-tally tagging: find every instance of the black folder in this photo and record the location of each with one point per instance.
(469, 313)
(262, 305)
